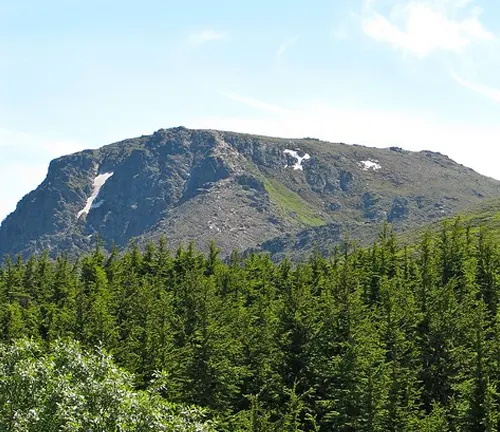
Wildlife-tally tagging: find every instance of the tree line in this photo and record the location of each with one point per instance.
(365, 339)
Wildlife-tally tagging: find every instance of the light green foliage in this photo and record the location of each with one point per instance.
(66, 389)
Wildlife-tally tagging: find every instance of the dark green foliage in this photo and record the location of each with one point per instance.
(377, 339)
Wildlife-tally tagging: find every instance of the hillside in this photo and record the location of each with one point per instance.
(484, 216)
(324, 239)
(487, 215)
(243, 191)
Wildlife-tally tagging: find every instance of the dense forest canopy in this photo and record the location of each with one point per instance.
(377, 339)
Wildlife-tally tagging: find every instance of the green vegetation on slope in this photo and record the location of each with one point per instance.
(486, 216)
(291, 204)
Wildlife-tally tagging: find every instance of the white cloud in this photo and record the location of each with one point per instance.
(375, 128)
(489, 92)
(204, 36)
(426, 26)
(286, 45)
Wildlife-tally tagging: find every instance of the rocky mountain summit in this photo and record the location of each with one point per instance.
(243, 191)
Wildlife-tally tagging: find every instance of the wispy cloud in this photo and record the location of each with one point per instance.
(489, 92)
(426, 26)
(285, 45)
(204, 36)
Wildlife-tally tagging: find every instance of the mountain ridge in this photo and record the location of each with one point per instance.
(241, 190)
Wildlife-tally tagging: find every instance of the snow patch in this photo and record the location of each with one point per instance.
(295, 155)
(368, 164)
(98, 184)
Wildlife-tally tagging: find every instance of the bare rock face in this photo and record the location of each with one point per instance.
(243, 191)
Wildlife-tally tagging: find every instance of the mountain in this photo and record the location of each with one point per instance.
(243, 191)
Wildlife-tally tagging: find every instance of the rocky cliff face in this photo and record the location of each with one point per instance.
(242, 191)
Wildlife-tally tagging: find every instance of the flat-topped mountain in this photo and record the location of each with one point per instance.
(243, 191)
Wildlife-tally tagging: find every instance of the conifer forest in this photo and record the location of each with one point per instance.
(377, 339)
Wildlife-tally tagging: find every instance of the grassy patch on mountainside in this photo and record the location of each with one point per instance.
(291, 203)
(487, 216)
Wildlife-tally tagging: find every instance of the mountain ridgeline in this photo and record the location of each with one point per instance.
(283, 196)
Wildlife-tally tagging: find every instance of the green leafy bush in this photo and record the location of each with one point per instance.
(66, 389)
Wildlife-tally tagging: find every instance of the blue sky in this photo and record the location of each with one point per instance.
(420, 74)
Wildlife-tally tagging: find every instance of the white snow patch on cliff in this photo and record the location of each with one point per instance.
(295, 155)
(368, 164)
(98, 184)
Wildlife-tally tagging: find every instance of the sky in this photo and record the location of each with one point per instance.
(76, 74)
